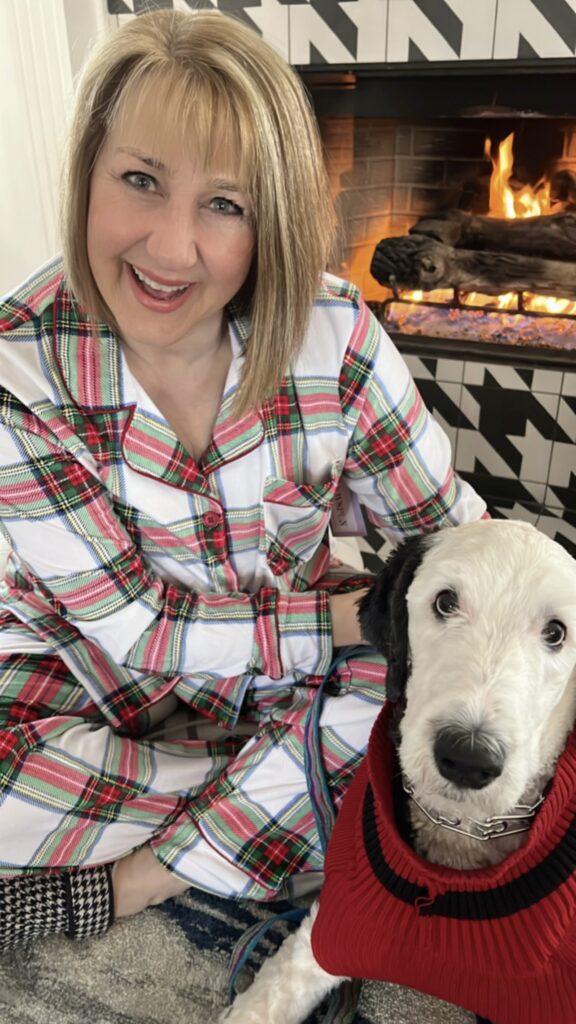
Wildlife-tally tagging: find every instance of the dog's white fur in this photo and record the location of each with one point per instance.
(486, 669)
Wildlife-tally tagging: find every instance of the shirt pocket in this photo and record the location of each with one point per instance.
(296, 519)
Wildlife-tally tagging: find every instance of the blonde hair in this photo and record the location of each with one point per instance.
(220, 73)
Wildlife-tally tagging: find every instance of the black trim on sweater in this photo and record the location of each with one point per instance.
(534, 885)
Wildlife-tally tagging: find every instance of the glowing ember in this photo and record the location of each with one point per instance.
(487, 325)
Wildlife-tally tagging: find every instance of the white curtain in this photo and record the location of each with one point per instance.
(42, 45)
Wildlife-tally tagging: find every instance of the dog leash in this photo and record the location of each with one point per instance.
(344, 999)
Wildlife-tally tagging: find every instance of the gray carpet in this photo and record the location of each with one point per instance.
(166, 966)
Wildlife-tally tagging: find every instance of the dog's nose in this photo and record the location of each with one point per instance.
(466, 758)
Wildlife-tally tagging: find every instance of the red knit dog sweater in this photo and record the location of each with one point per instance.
(500, 941)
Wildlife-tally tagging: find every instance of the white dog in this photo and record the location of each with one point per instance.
(478, 625)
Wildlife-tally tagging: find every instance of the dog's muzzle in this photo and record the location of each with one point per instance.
(467, 759)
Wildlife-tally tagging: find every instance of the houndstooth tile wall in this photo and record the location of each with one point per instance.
(391, 31)
(512, 429)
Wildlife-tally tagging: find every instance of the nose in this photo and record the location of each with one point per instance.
(173, 239)
(468, 759)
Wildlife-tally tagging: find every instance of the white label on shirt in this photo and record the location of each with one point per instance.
(347, 519)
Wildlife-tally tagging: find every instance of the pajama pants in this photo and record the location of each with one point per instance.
(229, 813)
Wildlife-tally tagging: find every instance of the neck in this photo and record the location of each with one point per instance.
(192, 351)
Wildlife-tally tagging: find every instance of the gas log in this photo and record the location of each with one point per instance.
(551, 237)
(419, 262)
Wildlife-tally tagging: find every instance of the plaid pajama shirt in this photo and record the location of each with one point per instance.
(138, 580)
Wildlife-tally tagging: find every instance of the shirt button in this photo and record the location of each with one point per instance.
(211, 519)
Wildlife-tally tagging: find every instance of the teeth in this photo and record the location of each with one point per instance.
(167, 289)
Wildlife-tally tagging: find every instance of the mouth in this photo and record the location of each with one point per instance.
(162, 296)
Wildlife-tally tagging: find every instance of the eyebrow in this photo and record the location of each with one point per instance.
(224, 183)
(150, 161)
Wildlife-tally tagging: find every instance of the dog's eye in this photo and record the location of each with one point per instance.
(554, 633)
(446, 603)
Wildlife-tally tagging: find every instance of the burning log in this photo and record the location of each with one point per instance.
(419, 262)
(551, 237)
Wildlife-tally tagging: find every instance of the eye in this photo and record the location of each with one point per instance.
(140, 181)
(226, 206)
(446, 603)
(554, 634)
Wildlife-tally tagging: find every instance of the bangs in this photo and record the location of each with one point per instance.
(181, 113)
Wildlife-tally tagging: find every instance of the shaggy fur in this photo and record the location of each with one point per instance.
(478, 625)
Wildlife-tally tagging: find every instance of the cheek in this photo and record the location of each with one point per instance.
(234, 255)
(110, 228)
(554, 674)
(101, 233)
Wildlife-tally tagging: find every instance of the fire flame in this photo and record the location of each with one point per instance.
(527, 201)
(509, 203)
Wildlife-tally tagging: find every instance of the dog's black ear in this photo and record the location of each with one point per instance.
(383, 612)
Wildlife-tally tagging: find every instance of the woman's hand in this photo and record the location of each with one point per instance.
(345, 624)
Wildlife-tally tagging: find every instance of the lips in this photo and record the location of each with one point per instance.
(156, 294)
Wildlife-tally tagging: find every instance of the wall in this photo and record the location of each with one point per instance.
(512, 429)
(42, 45)
(352, 32)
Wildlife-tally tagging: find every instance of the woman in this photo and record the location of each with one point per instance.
(182, 399)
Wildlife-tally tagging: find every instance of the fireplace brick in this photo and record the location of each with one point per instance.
(570, 143)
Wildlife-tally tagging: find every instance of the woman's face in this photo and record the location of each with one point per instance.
(168, 243)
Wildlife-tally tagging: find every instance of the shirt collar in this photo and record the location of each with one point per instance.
(96, 375)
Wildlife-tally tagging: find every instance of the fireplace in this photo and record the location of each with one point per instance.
(392, 175)
(406, 146)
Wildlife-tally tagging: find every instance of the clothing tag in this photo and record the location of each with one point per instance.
(347, 519)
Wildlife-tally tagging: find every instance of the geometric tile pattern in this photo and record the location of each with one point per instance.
(316, 32)
(450, 30)
(513, 435)
(535, 28)
(268, 17)
(522, 456)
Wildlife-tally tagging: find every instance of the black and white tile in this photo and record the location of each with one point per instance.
(512, 429)
(331, 32)
(531, 29)
(316, 32)
(513, 435)
(440, 30)
(268, 17)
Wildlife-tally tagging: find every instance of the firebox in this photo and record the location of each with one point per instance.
(456, 202)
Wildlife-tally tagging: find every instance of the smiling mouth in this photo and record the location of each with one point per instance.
(156, 290)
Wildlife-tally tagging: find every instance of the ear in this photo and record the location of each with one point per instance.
(383, 612)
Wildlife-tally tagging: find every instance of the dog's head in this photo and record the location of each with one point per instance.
(478, 625)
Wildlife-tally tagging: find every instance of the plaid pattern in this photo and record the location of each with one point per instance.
(136, 574)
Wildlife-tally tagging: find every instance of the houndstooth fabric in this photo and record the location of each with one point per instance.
(78, 904)
(90, 900)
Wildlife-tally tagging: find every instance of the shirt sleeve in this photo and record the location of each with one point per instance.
(399, 461)
(75, 570)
